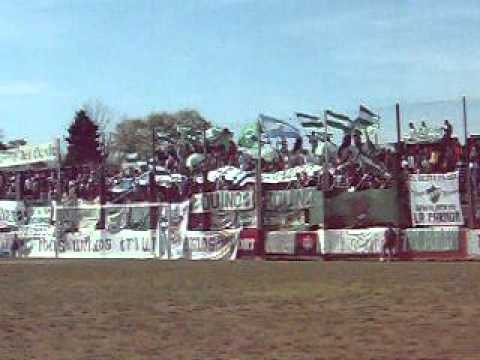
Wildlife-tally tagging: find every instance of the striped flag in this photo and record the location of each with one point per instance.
(366, 117)
(273, 127)
(339, 121)
(309, 121)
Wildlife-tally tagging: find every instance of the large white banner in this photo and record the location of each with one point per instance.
(12, 213)
(293, 199)
(222, 200)
(433, 239)
(212, 245)
(103, 244)
(435, 199)
(280, 242)
(473, 242)
(28, 154)
(353, 241)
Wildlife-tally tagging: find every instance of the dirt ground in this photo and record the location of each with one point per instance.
(238, 310)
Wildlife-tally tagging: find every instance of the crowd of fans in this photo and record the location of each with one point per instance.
(356, 165)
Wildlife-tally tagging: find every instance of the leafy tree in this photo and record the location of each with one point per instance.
(100, 113)
(135, 134)
(83, 141)
(16, 143)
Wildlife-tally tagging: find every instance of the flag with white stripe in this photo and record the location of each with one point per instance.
(310, 121)
(339, 121)
(366, 117)
(273, 127)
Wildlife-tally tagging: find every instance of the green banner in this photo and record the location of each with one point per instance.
(376, 207)
(433, 239)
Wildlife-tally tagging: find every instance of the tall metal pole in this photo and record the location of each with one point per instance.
(325, 184)
(59, 194)
(153, 195)
(258, 194)
(154, 163)
(205, 160)
(399, 123)
(471, 210)
(465, 126)
(59, 171)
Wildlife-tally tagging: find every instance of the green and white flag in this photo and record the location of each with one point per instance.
(366, 118)
(339, 121)
(310, 121)
(248, 136)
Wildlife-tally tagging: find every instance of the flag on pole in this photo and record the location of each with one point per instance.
(273, 127)
(339, 121)
(310, 121)
(366, 117)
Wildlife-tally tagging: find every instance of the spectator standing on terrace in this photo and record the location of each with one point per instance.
(411, 130)
(448, 129)
(312, 156)
(298, 157)
(358, 148)
(171, 162)
(423, 130)
(232, 157)
(344, 152)
(424, 161)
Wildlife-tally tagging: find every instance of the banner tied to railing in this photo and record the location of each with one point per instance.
(28, 154)
(435, 199)
(12, 213)
(222, 200)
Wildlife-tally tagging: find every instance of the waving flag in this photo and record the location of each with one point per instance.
(366, 117)
(248, 136)
(310, 121)
(339, 121)
(273, 127)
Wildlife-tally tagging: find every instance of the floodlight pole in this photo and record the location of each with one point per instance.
(325, 153)
(153, 149)
(258, 195)
(153, 212)
(465, 126)
(59, 194)
(399, 124)
(471, 217)
(205, 154)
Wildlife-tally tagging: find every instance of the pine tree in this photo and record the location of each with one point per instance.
(83, 141)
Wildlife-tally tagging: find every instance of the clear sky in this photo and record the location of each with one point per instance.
(230, 59)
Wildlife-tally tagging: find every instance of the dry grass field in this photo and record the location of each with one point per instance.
(238, 310)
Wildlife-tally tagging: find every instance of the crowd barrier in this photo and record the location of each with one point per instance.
(446, 243)
(298, 223)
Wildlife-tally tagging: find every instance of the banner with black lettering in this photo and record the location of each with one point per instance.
(292, 199)
(212, 245)
(293, 220)
(38, 224)
(368, 241)
(435, 199)
(103, 244)
(12, 213)
(28, 154)
(222, 200)
(294, 208)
